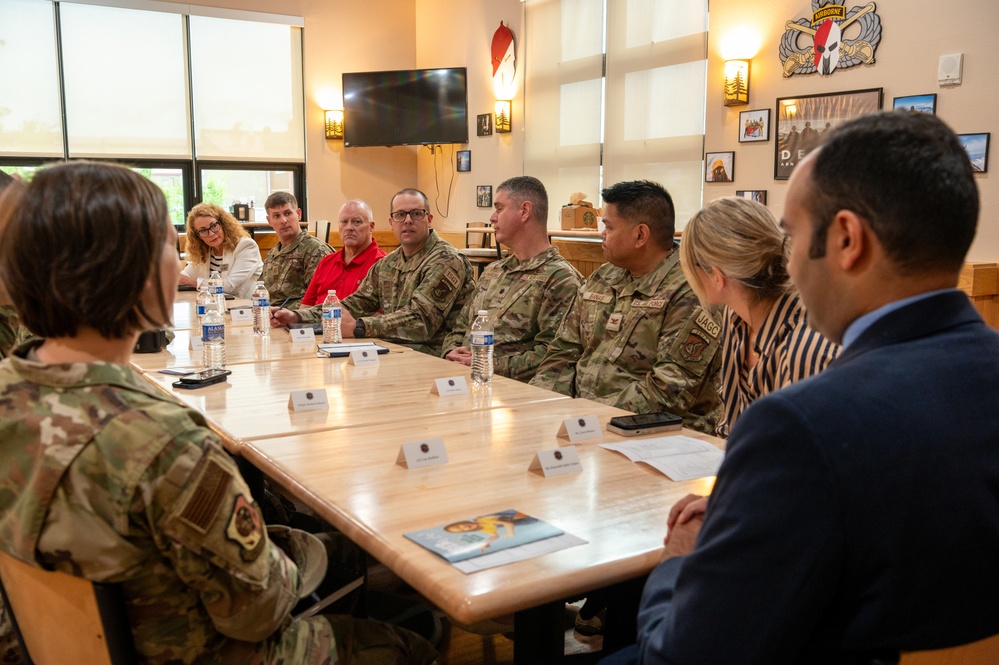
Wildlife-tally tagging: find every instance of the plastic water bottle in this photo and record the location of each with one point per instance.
(481, 340)
(213, 339)
(331, 319)
(216, 288)
(204, 302)
(261, 310)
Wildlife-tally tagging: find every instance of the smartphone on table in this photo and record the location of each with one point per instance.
(645, 423)
(202, 379)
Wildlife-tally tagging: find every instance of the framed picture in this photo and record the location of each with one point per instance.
(977, 146)
(484, 196)
(719, 166)
(801, 122)
(484, 124)
(464, 161)
(754, 126)
(758, 195)
(921, 103)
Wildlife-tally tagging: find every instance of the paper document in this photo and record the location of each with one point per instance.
(677, 457)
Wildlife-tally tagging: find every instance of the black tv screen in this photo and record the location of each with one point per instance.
(411, 107)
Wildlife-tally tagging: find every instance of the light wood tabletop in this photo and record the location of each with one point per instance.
(350, 478)
(253, 403)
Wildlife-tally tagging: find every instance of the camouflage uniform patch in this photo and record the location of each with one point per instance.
(526, 302)
(246, 528)
(635, 343)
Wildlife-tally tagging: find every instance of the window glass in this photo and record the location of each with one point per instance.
(30, 121)
(226, 186)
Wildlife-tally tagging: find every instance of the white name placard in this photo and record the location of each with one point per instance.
(415, 454)
(242, 315)
(452, 385)
(303, 335)
(580, 428)
(308, 400)
(557, 461)
(196, 342)
(363, 357)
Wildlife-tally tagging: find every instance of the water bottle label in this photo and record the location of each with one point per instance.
(334, 313)
(482, 339)
(213, 332)
(201, 310)
(217, 290)
(261, 302)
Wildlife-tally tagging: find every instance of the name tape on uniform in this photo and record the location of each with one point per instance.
(308, 400)
(557, 462)
(580, 428)
(415, 454)
(452, 385)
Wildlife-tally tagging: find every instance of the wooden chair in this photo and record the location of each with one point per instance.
(982, 652)
(478, 247)
(60, 618)
(321, 228)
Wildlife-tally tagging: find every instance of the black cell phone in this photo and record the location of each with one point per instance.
(202, 379)
(645, 423)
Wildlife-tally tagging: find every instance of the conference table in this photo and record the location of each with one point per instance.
(342, 462)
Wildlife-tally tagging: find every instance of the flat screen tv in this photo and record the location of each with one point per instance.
(410, 107)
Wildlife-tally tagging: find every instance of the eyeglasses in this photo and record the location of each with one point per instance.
(416, 214)
(211, 228)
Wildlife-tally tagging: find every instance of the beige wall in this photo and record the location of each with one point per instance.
(914, 37)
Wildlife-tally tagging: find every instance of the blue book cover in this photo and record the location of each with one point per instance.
(474, 537)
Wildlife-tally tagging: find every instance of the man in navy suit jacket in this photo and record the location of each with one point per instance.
(856, 514)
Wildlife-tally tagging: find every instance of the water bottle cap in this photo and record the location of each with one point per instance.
(483, 312)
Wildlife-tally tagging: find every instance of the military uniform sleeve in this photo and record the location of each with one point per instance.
(558, 369)
(207, 524)
(559, 294)
(313, 256)
(442, 283)
(686, 364)
(456, 337)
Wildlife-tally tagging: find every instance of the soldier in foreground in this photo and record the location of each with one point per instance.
(107, 478)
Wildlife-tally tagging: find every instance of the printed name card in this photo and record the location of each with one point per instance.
(452, 385)
(580, 428)
(242, 315)
(303, 335)
(415, 454)
(557, 462)
(308, 400)
(364, 357)
(197, 343)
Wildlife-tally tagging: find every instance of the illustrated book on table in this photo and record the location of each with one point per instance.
(465, 539)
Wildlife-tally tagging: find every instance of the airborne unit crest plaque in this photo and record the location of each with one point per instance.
(840, 38)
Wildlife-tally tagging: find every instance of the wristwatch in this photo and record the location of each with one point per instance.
(359, 328)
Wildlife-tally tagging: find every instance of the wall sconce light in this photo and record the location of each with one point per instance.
(736, 91)
(334, 124)
(502, 109)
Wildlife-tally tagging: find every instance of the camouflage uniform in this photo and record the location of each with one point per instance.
(12, 333)
(414, 301)
(526, 302)
(105, 478)
(640, 344)
(288, 270)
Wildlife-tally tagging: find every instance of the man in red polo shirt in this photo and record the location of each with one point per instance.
(344, 270)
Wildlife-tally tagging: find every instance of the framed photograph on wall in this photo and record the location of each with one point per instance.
(484, 124)
(464, 161)
(754, 126)
(921, 103)
(719, 167)
(758, 195)
(977, 146)
(484, 196)
(801, 122)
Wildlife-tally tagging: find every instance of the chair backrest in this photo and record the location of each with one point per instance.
(60, 618)
(473, 239)
(982, 652)
(322, 230)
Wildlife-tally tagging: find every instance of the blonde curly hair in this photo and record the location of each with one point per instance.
(197, 248)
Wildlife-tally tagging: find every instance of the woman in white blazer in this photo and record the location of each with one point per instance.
(216, 241)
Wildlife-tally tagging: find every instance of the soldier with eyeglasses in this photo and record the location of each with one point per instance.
(414, 295)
